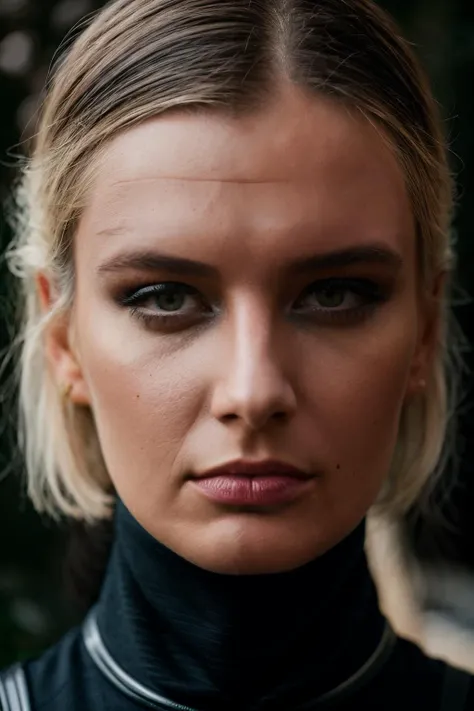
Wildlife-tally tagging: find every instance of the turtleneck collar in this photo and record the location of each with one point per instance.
(212, 641)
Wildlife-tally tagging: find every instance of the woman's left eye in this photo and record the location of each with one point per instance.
(339, 298)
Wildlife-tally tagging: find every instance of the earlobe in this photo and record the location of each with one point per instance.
(417, 381)
(60, 353)
(416, 387)
(64, 360)
(429, 337)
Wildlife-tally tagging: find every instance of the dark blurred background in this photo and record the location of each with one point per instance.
(34, 605)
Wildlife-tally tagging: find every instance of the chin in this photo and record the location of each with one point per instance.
(241, 548)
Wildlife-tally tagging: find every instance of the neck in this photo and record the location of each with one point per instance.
(213, 641)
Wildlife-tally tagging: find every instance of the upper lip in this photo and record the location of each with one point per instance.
(265, 467)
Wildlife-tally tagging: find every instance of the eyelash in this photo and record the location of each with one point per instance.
(371, 294)
(137, 298)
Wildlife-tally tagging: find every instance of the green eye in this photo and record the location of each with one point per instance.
(167, 297)
(339, 300)
(169, 306)
(170, 301)
(330, 298)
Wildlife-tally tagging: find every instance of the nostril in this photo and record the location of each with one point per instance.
(230, 417)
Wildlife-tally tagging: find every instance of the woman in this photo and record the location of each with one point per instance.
(234, 253)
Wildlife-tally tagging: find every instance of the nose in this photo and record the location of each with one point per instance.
(251, 385)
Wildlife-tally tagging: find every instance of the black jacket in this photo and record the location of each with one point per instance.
(168, 635)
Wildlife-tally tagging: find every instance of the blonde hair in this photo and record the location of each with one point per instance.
(140, 58)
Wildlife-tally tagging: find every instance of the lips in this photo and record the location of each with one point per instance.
(251, 484)
(252, 469)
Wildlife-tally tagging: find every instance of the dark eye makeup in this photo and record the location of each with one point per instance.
(340, 300)
(174, 306)
(167, 304)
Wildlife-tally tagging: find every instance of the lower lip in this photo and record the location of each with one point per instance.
(252, 491)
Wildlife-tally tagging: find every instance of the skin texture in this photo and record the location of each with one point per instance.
(257, 367)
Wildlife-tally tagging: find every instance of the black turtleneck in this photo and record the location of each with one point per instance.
(214, 641)
(184, 636)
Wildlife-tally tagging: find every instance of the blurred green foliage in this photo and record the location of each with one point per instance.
(33, 608)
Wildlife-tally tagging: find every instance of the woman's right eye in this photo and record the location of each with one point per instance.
(166, 303)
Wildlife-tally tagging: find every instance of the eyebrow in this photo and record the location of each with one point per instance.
(374, 253)
(149, 260)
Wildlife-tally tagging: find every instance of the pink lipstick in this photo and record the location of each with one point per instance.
(247, 483)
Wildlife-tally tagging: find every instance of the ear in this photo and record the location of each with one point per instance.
(430, 313)
(59, 349)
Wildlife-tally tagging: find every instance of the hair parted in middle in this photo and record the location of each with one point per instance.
(140, 58)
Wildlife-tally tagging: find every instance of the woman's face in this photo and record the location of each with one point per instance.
(247, 290)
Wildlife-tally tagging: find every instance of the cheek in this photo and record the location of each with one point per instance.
(356, 406)
(145, 399)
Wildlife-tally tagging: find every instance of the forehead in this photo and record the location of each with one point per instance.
(302, 165)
